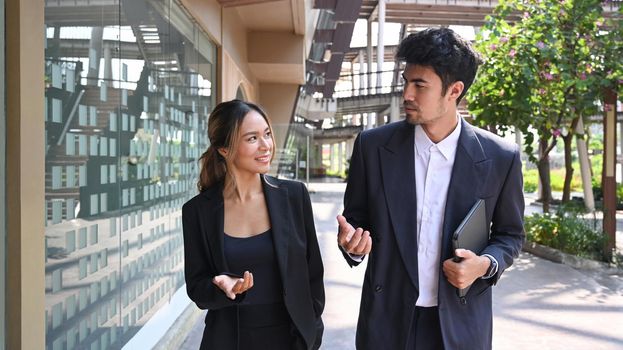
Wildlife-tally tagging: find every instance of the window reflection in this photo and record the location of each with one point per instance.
(127, 97)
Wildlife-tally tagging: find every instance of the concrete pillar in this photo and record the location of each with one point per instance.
(585, 167)
(362, 70)
(369, 56)
(371, 117)
(352, 79)
(341, 158)
(107, 64)
(95, 53)
(332, 157)
(380, 47)
(394, 109)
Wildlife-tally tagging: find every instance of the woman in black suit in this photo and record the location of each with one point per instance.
(250, 247)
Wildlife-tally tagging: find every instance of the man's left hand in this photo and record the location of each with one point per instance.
(471, 267)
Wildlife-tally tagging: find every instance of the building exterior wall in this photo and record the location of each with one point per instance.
(105, 124)
(24, 176)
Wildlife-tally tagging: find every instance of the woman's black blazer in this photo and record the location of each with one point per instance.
(298, 257)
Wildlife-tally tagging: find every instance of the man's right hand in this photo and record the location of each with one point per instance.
(354, 242)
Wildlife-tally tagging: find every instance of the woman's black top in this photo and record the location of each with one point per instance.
(256, 254)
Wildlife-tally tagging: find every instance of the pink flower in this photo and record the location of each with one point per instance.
(583, 76)
(548, 76)
(504, 39)
(512, 53)
(556, 132)
(607, 107)
(542, 91)
(540, 45)
(526, 15)
(492, 47)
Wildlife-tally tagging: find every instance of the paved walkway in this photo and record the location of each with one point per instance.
(537, 304)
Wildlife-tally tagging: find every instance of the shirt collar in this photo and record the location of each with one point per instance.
(447, 146)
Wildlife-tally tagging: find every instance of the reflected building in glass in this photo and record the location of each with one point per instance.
(128, 88)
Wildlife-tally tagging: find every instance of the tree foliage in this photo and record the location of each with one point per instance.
(546, 64)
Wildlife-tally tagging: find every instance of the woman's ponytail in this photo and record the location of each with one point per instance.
(213, 168)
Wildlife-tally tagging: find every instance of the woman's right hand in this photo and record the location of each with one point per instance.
(232, 285)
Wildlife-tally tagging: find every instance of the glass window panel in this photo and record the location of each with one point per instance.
(70, 208)
(70, 304)
(84, 331)
(70, 144)
(57, 110)
(113, 147)
(70, 80)
(57, 78)
(93, 234)
(104, 202)
(70, 176)
(92, 115)
(82, 178)
(113, 173)
(57, 211)
(56, 177)
(82, 268)
(103, 146)
(112, 121)
(94, 145)
(103, 174)
(104, 91)
(57, 280)
(70, 241)
(82, 115)
(82, 145)
(82, 237)
(104, 261)
(94, 202)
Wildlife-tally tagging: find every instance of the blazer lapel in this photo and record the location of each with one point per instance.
(469, 174)
(279, 212)
(212, 221)
(398, 173)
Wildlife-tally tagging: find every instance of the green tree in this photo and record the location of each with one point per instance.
(543, 71)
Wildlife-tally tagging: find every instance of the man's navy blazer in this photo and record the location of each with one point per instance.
(298, 257)
(380, 197)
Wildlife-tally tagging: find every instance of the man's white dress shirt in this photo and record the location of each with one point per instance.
(433, 169)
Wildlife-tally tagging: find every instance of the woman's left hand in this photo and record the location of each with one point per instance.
(232, 286)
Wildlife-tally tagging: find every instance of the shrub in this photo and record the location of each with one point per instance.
(568, 231)
(530, 180)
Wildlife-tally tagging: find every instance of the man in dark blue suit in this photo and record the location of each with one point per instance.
(410, 184)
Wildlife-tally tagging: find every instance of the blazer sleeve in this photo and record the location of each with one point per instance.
(507, 233)
(198, 267)
(356, 195)
(314, 265)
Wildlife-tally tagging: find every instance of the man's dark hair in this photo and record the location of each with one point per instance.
(451, 57)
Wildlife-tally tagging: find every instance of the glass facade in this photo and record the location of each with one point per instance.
(129, 86)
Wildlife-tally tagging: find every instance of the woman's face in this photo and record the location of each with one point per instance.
(255, 145)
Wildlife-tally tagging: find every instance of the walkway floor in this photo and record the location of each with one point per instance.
(537, 303)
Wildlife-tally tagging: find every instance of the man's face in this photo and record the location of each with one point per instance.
(424, 102)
